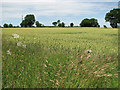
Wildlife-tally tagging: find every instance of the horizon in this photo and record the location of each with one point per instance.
(49, 11)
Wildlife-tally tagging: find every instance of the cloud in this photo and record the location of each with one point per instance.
(15, 10)
(63, 8)
(68, 10)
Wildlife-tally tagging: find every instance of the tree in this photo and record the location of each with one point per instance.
(38, 24)
(85, 23)
(104, 26)
(17, 26)
(5, 25)
(71, 24)
(89, 23)
(54, 23)
(113, 17)
(58, 21)
(23, 24)
(94, 22)
(59, 25)
(10, 25)
(98, 26)
(62, 24)
(28, 21)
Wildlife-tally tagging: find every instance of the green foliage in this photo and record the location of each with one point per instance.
(71, 24)
(104, 26)
(61, 24)
(54, 23)
(28, 21)
(58, 21)
(16, 26)
(38, 24)
(10, 25)
(59, 58)
(24, 24)
(89, 23)
(5, 25)
(113, 17)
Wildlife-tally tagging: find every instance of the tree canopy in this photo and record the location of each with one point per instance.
(58, 21)
(89, 23)
(5, 25)
(61, 24)
(104, 26)
(38, 24)
(113, 17)
(28, 21)
(10, 25)
(71, 24)
(54, 23)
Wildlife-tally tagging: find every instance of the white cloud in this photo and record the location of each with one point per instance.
(48, 9)
(63, 8)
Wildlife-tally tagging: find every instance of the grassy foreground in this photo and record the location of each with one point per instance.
(57, 57)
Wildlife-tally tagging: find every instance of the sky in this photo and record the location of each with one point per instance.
(48, 11)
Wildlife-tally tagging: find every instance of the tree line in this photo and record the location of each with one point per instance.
(113, 17)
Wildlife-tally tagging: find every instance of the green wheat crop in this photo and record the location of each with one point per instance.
(59, 57)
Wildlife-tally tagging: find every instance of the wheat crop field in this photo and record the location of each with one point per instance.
(60, 57)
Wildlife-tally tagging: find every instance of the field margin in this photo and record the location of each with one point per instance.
(119, 56)
(0, 48)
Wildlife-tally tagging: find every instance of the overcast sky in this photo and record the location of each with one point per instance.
(47, 11)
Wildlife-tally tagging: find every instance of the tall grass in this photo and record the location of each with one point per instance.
(58, 57)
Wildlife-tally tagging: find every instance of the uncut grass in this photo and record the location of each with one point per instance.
(57, 58)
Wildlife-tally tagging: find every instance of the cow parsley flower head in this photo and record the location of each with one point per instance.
(15, 35)
(19, 44)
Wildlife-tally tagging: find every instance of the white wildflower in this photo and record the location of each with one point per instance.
(8, 52)
(15, 35)
(24, 46)
(19, 44)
